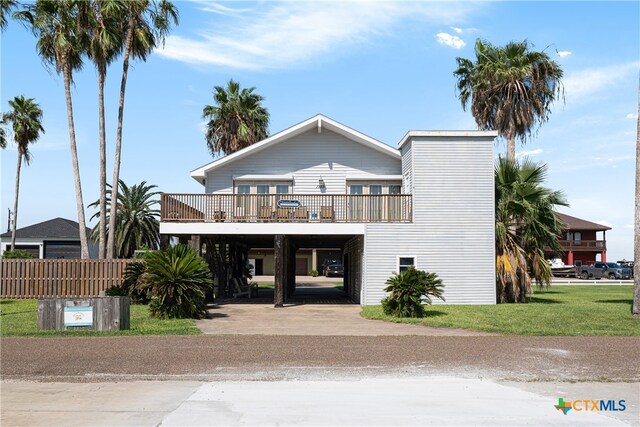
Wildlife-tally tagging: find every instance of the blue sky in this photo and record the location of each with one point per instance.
(381, 68)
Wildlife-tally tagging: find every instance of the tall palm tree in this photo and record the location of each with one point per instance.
(146, 25)
(61, 42)
(105, 44)
(526, 225)
(236, 121)
(25, 117)
(511, 89)
(137, 218)
(5, 9)
(635, 309)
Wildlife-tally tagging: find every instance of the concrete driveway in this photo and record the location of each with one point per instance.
(317, 308)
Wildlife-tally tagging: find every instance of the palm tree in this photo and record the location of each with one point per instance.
(5, 8)
(25, 117)
(57, 26)
(105, 44)
(511, 89)
(635, 309)
(137, 219)
(526, 225)
(236, 121)
(146, 25)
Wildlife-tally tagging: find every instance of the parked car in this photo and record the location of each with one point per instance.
(627, 264)
(325, 263)
(607, 270)
(334, 270)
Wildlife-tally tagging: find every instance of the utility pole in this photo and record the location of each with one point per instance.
(9, 220)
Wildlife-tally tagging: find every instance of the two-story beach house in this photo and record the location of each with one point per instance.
(320, 184)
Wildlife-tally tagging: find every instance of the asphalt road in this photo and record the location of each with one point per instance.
(283, 357)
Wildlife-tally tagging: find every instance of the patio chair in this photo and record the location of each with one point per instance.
(265, 213)
(282, 214)
(326, 213)
(301, 214)
(241, 288)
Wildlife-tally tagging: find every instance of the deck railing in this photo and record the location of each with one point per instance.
(583, 245)
(285, 208)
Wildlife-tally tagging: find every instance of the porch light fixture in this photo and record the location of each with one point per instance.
(321, 184)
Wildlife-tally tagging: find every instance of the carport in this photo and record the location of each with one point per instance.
(227, 256)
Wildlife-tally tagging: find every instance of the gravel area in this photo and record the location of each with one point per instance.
(284, 357)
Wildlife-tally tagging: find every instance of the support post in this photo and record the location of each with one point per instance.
(195, 242)
(603, 256)
(291, 269)
(279, 270)
(164, 242)
(570, 258)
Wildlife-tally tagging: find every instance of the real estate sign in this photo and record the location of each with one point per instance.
(78, 316)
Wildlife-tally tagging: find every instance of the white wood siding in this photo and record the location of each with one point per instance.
(453, 230)
(308, 157)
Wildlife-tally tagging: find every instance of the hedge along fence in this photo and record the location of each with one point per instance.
(39, 278)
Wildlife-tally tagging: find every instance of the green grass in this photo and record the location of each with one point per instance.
(19, 318)
(558, 310)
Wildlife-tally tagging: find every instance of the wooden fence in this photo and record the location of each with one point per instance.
(39, 278)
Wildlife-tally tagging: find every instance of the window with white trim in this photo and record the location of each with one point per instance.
(405, 262)
(282, 189)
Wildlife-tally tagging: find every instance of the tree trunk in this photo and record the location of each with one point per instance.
(511, 148)
(103, 168)
(84, 247)
(636, 247)
(15, 202)
(116, 161)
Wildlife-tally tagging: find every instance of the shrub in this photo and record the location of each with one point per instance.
(116, 291)
(17, 254)
(176, 281)
(313, 273)
(409, 290)
(130, 284)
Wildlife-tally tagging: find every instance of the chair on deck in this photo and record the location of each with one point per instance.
(301, 214)
(265, 213)
(326, 213)
(282, 214)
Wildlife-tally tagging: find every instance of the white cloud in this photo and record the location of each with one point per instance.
(276, 35)
(581, 84)
(450, 40)
(632, 116)
(457, 30)
(563, 53)
(530, 153)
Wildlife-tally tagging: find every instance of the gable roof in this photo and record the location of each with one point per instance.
(574, 223)
(57, 228)
(319, 122)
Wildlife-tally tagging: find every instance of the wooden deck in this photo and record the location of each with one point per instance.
(343, 208)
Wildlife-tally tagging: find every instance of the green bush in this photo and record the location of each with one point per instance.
(409, 290)
(176, 281)
(17, 254)
(132, 275)
(313, 273)
(116, 291)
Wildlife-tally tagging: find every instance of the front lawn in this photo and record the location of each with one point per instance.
(558, 310)
(19, 318)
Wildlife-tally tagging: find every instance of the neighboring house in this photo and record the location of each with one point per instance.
(580, 241)
(55, 238)
(320, 184)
